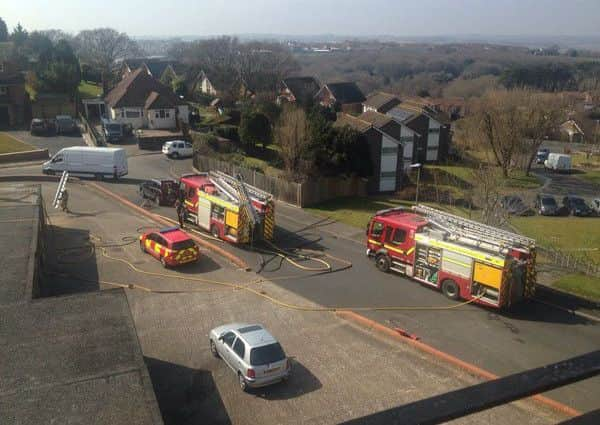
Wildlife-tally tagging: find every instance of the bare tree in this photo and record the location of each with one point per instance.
(486, 195)
(292, 135)
(102, 47)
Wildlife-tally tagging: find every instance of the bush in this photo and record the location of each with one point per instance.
(228, 132)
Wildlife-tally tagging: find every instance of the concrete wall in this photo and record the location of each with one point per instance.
(35, 155)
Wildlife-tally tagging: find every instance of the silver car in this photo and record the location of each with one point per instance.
(251, 352)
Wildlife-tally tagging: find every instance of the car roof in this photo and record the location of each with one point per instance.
(175, 141)
(174, 234)
(255, 335)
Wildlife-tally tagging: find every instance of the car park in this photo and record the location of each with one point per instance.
(178, 149)
(252, 353)
(546, 205)
(171, 246)
(514, 205)
(161, 191)
(576, 206)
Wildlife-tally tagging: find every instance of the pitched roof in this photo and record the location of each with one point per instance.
(303, 88)
(421, 106)
(157, 101)
(347, 92)
(381, 101)
(356, 123)
(135, 89)
(377, 119)
(156, 66)
(571, 126)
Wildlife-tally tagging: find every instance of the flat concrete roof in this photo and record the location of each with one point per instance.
(19, 218)
(73, 359)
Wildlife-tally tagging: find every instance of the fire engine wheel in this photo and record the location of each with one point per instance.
(383, 263)
(450, 289)
(214, 230)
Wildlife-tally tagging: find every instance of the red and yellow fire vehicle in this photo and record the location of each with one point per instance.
(465, 259)
(227, 207)
(171, 246)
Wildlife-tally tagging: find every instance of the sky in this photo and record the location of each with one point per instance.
(307, 17)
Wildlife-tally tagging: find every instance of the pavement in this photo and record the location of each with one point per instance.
(532, 335)
(340, 371)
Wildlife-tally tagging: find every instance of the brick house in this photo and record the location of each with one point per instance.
(144, 102)
(13, 97)
(345, 97)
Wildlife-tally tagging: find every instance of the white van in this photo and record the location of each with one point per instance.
(87, 161)
(558, 162)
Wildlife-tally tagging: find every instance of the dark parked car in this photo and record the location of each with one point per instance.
(161, 191)
(546, 205)
(542, 155)
(65, 124)
(514, 205)
(577, 206)
(42, 127)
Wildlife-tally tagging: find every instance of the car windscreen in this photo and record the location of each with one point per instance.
(114, 127)
(549, 201)
(266, 354)
(183, 245)
(577, 201)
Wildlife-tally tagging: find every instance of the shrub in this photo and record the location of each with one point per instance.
(228, 132)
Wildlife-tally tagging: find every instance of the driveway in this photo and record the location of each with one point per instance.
(52, 143)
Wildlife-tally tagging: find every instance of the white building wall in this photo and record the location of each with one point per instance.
(155, 121)
(184, 113)
(433, 140)
(389, 161)
(407, 155)
(132, 116)
(207, 87)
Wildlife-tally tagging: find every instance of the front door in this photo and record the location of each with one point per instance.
(398, 244)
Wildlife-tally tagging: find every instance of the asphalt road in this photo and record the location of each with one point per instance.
(530, 336)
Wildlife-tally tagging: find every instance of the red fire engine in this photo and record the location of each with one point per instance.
(227, 207)
(463, 258)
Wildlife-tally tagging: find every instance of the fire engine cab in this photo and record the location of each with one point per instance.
(227, 207)
(463, 258)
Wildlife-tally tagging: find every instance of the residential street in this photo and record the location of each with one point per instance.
(532, 335)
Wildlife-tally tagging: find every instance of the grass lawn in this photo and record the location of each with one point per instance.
(88, 89)
(357, 211)
(583, 285)
(9, 144)
(570, 234)
(593, 176)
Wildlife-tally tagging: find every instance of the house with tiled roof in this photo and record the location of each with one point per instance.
(298, 89)
(380, 102)
(159, 68)
(386, 147)
(142, 101)
(572, 131)
(344, 96)
(13, 98)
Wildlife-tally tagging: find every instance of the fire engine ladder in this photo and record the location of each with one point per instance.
(254, 192)
(62, 184)
(481, 234)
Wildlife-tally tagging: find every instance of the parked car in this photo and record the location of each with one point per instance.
(42, 127)
(558, 162)
(87, 161)
(546, 205)
(542, 155)
(514, 205)
(577, 206)
(596, 205)
(252, 353)
(171, 246)
(178, 149)
(161, 191)
(65, 124)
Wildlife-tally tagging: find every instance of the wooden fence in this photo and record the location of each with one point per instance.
(299, 194)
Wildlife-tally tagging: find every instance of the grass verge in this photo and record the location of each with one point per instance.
(586, 286)
(9, 144)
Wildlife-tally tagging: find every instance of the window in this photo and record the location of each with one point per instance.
(377, 229)
(388, 151)
(218, 212)
(399, 236)
(434, 130)
(132, 114)
(228, 338)
(188, 145)
(406, 139)
(57, 159)
(177, 246)
(167, 115)
(388, 174)
(1, 66)
(239, 348)
(266, 354)
(161, 113)
(156, 115)
(3, 90)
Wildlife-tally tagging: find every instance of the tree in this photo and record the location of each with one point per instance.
(19, 35)
(293, 137)
(255, 128)
(3, 30)
(101, 47)
(486, 194)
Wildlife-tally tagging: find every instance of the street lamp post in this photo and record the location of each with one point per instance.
(418, 166)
